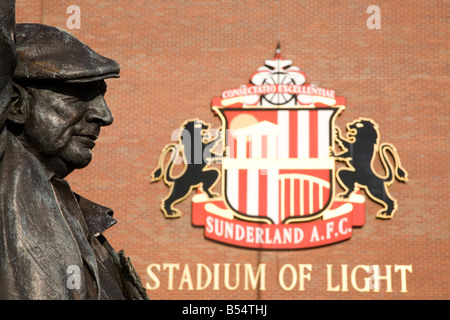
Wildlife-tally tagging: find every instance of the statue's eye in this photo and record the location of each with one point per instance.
(359, 125)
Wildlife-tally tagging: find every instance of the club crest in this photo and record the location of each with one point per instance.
(275, 157)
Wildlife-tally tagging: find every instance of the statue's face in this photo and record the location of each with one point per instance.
(64, 121)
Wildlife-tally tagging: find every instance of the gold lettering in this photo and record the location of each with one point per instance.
(288, 277)
(366, 287)
(344, 268)
(200, 267)
(344, 279)
(403, 270)
(281, 277)
(377, 277)
(171, 266)
(260, 274)
(330, 280)
(226, 279)
(303, 276)
(216, 276)
(153, 276)
(186, 278)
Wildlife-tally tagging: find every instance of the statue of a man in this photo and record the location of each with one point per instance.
(7, 62)
(51, 242)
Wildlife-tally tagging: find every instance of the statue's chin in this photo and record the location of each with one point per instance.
(79, 161)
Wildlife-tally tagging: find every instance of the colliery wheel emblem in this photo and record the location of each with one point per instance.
(275, 157)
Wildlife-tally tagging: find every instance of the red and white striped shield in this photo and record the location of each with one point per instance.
(278, 165)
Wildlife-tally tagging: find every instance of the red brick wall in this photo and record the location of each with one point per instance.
(177, 55)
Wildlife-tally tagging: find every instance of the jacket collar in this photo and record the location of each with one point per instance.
(98, 218)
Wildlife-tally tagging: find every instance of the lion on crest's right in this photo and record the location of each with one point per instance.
(359, 149)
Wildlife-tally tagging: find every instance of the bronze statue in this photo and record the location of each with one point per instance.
(7, 62)
(51, 242)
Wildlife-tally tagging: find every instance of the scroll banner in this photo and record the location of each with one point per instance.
(221, 225)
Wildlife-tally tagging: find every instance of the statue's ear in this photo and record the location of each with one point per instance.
(19, 105)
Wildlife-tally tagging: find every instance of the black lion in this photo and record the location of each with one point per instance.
(197, 153)
(359, 150)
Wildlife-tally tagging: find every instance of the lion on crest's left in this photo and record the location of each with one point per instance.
(197, 153)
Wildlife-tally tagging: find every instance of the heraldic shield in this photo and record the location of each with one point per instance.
(274, 156)
(278, 165)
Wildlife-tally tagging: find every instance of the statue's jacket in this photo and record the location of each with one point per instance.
(51, 242)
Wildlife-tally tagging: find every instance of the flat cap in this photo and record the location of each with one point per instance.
(49, 53)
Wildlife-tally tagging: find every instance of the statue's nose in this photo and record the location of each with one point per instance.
(99, 112)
